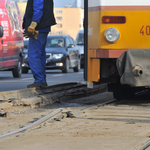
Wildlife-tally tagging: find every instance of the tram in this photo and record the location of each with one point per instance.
(117, 45)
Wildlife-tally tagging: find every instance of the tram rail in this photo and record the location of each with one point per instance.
(120, 113)
(50, 116)
(51, 94)
(57, 114)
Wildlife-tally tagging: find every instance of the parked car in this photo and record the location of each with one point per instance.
(80, 44)
(61, 53)
(11, 38)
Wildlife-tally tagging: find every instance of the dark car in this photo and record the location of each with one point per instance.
(61, 53)
(25, 64)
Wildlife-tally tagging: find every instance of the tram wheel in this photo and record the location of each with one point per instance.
(117, 95)
(126, 93)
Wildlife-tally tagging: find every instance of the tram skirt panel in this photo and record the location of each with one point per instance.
(134, 67)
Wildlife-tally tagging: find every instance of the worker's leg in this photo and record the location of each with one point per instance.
(37, 56)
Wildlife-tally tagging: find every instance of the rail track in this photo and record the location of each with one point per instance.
(51, 116)
(146, 146)
(115, 113)
(44, 96)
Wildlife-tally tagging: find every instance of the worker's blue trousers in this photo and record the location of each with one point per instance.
(37, 57)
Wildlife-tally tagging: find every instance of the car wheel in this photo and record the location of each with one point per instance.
(78, 67)
(67, 66)
(18, 69)
(82, 65)
(25, 70)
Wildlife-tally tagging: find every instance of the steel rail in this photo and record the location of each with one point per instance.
(52, 114)
(45, 118)
(108, 102)
(57, 111)
(146, 146)
(33, 92)
(48, 90)
(30, 92)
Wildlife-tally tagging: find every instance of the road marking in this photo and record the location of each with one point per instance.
(26, 79)
(57, 75)
(12, 81)
(79, 72)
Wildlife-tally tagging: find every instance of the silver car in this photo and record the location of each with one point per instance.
(80, 44)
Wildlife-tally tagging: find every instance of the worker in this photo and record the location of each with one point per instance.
(37, 22)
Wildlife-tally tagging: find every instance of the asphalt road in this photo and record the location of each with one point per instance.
(8, 83)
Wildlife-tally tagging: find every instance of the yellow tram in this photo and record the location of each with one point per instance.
(117, 44)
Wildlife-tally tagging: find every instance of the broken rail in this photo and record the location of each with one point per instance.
(36, 97)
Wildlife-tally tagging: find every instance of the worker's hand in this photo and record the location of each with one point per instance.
(32, 27)
(34, 34)
(31, 32)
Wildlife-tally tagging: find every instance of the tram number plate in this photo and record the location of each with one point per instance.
(145, 30)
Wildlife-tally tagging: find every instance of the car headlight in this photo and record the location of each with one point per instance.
(57, 56)
(112, 35)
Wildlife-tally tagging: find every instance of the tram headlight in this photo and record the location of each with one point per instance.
(112, 35)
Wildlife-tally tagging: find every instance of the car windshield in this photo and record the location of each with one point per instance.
(80, 39)
(55, 42)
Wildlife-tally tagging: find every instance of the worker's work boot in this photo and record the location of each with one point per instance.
(36, 85)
